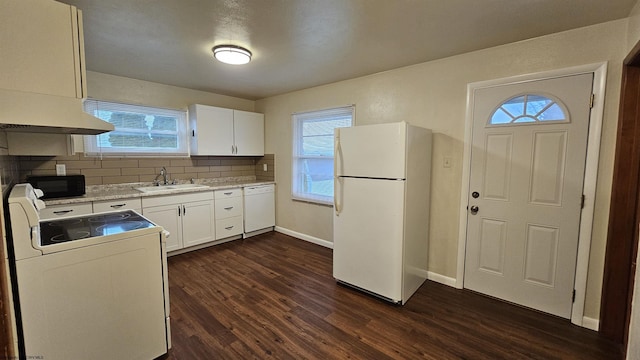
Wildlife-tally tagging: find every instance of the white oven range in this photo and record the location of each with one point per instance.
(88, 287)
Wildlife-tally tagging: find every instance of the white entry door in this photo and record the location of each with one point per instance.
(527, 170)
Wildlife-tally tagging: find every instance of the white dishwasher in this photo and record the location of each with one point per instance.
(259, 209)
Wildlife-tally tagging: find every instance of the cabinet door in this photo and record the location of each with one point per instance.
(198, 224)
(168, 217)
(40, 45)
(211, 130)
(248, 133)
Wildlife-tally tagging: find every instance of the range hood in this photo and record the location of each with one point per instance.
(31, 112)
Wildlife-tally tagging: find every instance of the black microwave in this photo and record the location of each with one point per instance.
(58, 186)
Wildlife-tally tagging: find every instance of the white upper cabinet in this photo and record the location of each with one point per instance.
(248, 130)
(41, 44)
(220, 131)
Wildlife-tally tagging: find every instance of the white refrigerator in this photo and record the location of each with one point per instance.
(381, 208)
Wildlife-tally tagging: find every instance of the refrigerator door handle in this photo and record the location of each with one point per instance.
(336, 180)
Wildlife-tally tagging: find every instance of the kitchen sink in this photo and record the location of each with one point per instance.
(165, 188)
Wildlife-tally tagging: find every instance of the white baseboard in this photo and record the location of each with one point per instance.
(305, 237)
(445, 280)
(590, 323)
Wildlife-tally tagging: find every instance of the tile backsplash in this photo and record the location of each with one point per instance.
(129, 170)
(8, 171)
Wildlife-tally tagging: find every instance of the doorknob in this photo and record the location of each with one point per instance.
(474, 209)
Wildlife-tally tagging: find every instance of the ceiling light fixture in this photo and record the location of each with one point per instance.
(231, 54)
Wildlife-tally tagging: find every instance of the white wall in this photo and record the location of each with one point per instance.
(132, 91)
(633, 30)
(433, 95)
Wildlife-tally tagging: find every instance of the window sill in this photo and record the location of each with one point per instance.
(313, 201)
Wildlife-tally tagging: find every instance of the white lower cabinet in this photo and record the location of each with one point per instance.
(229, 220)
(189, 218)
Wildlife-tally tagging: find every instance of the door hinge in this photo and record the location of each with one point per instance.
(573, 297)
(592, 100)
(582, 202)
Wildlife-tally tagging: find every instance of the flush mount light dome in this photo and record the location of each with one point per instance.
(231, 54)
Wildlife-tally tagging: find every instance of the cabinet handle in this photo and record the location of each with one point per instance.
(229, 227)
(228, 193)
(62, 212)
(117, 206)
(232, 150)
(179, 210)
(193, 133)
(184, 210)
(229, 208)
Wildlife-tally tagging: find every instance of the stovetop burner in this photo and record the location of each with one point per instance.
(77, 228)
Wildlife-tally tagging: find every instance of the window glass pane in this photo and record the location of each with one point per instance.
(318, 176)
(536, 104)
(501, 117)
(313, 152)
(553, 113)
(318, 145)
(139, 130)
(515, 106)
(530, 108)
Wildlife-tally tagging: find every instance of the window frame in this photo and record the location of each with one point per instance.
(298, 119)
(92, 145)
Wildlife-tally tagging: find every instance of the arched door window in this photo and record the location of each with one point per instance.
(529, 109)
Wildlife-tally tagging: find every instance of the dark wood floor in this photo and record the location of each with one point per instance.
(273, 296)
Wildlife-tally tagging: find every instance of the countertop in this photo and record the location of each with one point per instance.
(128, 191)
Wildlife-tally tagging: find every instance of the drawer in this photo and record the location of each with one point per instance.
(228, 227)
(229, 207)
(122, 204)
(227, 193)
(63, 211)
(160, 200)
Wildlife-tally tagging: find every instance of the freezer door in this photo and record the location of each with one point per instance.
(368, 235)
(376, 151)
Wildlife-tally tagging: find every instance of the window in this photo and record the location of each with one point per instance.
(313, 152)
(139, 130)
(529, 108)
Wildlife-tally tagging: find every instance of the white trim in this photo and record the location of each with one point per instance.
(305, 237)
(591, 171)
(590, 323)
(445, 280)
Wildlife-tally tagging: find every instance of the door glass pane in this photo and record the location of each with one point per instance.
(530, 108)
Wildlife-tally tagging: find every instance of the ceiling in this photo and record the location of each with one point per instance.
(298, 44)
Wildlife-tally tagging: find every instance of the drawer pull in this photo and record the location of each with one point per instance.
(229, 208)
(117, 206)
(229, 227)
(62, 212)
(229, 193)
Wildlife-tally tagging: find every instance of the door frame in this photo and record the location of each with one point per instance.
(624, 214)
(599, 71)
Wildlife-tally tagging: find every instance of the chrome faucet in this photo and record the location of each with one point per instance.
(163, 173)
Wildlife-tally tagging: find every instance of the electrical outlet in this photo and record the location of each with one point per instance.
(264, 167)
(61, 169)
